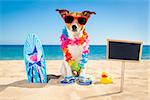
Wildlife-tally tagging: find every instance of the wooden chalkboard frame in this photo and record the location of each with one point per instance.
(124, 41)
(122, 60)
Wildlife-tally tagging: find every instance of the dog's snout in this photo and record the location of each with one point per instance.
(74, 27)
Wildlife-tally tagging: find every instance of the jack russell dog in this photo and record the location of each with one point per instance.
(74, 42)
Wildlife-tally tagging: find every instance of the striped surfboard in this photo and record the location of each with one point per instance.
(34, 60)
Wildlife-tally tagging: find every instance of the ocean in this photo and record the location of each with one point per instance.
(53, 52)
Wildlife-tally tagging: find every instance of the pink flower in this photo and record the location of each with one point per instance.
(62, 38)
(85, 51)
(77, 41)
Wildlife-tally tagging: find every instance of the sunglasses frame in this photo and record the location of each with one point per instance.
(76, 18)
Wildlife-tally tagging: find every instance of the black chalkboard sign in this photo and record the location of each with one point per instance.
(124, 50)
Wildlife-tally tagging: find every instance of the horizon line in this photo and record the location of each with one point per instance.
(57, 45)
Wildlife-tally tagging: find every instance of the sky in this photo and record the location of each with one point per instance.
(114, 19)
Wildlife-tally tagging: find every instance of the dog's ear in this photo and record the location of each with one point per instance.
(62, 12)
(88, 13)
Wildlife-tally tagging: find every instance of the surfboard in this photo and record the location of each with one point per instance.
(34, 60)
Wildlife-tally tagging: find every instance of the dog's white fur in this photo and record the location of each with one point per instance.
(76, 52)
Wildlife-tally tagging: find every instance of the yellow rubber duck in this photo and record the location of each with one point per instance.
(105, 79)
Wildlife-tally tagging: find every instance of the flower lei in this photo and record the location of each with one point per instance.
(83, 40)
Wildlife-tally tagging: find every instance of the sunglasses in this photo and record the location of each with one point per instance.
(81, 20)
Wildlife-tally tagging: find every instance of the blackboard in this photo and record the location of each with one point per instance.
(124, 50)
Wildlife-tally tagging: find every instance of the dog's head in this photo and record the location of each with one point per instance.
(75, 21)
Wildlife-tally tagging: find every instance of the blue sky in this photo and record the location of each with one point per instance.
(115, 19)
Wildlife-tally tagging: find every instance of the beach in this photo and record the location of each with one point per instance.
(14, 85)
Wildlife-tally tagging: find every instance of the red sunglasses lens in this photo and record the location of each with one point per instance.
(82, 21)
(69, 19)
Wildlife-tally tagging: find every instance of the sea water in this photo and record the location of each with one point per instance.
(53, 52)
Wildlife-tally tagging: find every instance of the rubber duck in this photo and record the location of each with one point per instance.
(105, 79)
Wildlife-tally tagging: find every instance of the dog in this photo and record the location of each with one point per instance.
(74, 42)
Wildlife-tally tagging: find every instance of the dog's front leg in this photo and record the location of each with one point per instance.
(84, 59)
(83, 63)
(65, 69)
(83, 72)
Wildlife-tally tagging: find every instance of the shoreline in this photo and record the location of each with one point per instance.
(88, 60)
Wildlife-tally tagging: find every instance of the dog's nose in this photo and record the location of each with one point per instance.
(74, 27)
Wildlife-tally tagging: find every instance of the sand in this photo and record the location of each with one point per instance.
(14, 85)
